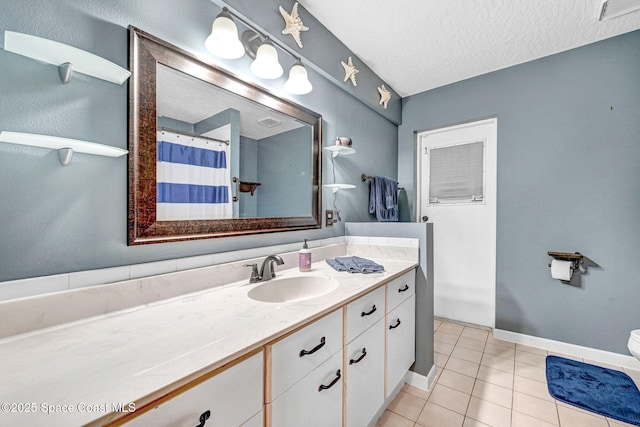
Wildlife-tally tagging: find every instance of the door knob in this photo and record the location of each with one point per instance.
(425, 218)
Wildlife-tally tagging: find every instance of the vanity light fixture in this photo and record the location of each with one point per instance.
(65, 146)
(223, 40)
(266, 65)
(259, 47)
(298, 82)
(66, 58)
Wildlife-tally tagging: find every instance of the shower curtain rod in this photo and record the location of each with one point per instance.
(193, 135)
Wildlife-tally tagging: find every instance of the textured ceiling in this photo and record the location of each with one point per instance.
(185, 98)
(417, 45)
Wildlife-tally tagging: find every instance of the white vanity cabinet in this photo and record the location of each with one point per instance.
(316, 400)
(364, 358)
(306, 375)
(401, 288)
(232, 397)
(401, 347)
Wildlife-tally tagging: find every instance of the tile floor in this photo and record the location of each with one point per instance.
(482, 381)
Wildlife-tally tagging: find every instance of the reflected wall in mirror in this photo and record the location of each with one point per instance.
(212, 155)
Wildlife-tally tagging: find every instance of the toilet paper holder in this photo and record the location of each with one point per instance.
(575, 258)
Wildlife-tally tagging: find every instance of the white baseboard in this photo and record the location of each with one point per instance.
(594, 354)
(420, 381)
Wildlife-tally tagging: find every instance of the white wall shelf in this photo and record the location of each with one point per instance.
(67, 58)
(337, 150)
(65, 146)
(336, 187)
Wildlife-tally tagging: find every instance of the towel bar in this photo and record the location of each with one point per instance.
(364, 177)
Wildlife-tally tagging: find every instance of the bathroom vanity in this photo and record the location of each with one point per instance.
(218, 357)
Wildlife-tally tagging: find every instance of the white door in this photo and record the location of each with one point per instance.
(464, 226)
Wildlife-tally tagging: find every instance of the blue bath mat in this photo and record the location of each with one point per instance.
(596, 389)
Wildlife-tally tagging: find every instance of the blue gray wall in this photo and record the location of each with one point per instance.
(61, 219)
(248, 204)
(568, 180)
(286, 182)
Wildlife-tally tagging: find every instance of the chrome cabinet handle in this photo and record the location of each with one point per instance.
(304, 352)
(395, 326)
(373, 310)
(406, 288)
(332, 383)
(364, 353)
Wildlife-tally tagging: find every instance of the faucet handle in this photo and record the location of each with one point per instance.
(255, 276)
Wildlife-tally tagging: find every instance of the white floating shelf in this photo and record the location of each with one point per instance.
(337, 150)
(335, 187)
(65, 146)
(65, 57)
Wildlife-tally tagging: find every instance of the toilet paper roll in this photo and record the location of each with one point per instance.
(561, 269)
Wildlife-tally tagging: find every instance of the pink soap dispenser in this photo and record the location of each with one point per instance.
(304, 257)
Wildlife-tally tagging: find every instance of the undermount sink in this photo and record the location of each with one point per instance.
(289, 289)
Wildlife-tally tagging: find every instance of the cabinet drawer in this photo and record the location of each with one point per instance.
(401, 288)
(401, 347)
(298, 354)
(364, 312)
(232, 398)
(364, 363)
(305, 404)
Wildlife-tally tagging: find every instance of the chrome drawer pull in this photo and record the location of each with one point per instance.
(373, 310)
(332, 383)
(314, 349)
(364, 353)
(395, 326)
(406, 288)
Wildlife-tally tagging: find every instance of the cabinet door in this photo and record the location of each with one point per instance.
(364, 358)
(401, 347)
(309, 402)
(230, 398)
(298, 354)
(364, 312)
(401, 288)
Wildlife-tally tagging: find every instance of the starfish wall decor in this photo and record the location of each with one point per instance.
(350, 71)
(293, 23)
(385, 96)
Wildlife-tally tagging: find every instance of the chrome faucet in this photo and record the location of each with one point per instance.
(267, 270)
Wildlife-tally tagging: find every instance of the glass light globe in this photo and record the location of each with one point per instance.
(223, 41)
(266, 64)
(298, 82)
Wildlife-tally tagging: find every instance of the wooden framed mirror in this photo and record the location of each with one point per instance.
(212, 155)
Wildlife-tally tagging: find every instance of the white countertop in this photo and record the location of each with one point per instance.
(127, 355)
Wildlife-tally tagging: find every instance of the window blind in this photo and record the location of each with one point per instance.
(456, 173)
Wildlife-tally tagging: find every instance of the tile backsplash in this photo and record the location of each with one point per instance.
(60, 282)
(43, 302)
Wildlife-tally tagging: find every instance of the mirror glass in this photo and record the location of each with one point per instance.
(212, 155)
(263, 149)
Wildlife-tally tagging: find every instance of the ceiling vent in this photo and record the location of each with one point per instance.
(613, 8)
(269, 122)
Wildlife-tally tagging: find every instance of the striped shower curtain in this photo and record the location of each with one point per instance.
(193, 178)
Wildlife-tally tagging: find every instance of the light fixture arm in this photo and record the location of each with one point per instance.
(250, 39)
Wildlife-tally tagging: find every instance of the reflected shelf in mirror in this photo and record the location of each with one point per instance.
(339, 150)
(337, 187)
